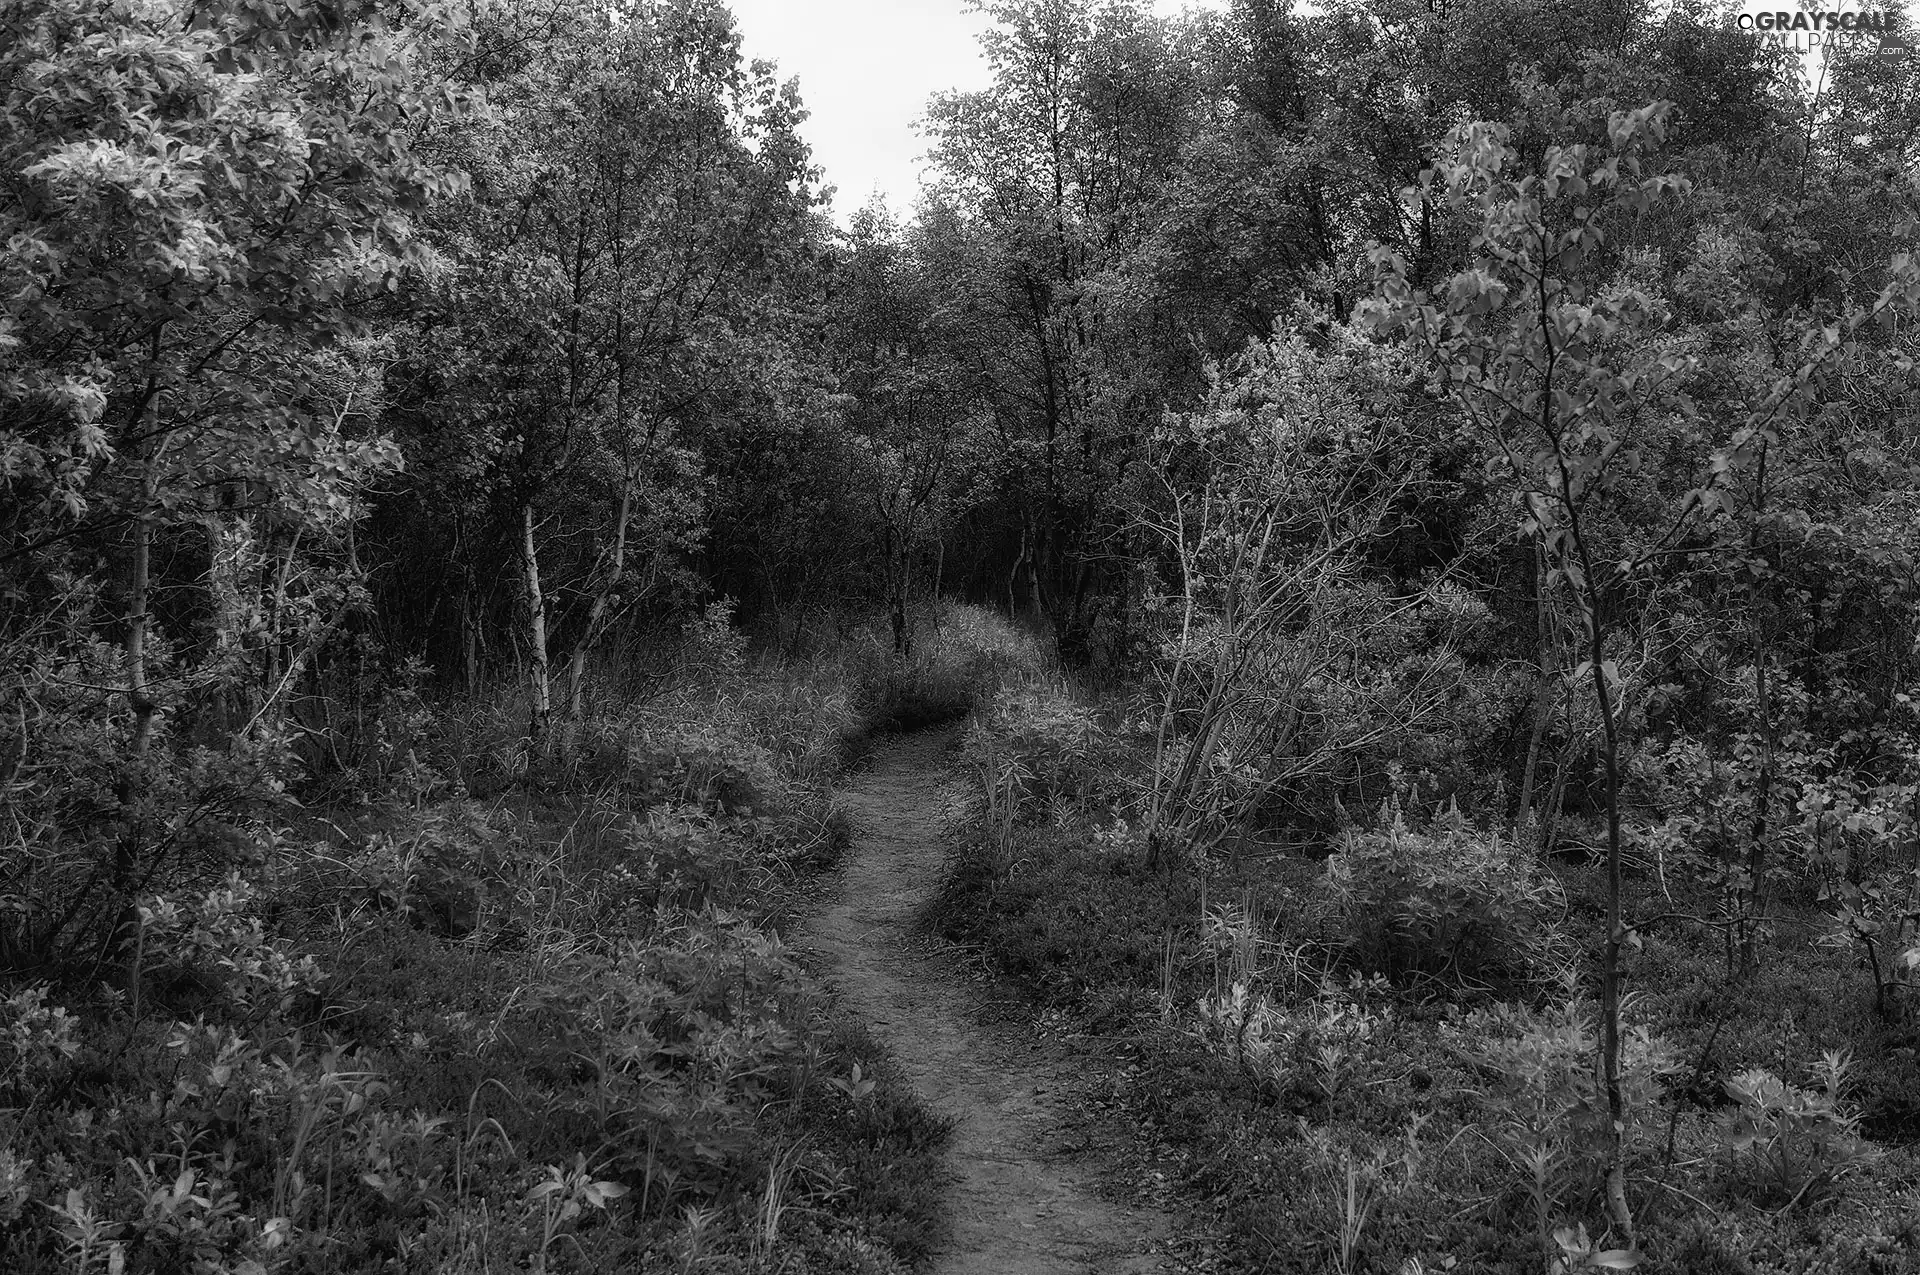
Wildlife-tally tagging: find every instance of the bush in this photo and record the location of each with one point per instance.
(700, 766)
(1547, 1107)
(1307, 1050)
(1068, 920)
(971, 651)
(1038, 750)
(872, 1146)
(663, 1050)
(1455, 906)
(1795, 1142)
(556, 1030)
(73, 854)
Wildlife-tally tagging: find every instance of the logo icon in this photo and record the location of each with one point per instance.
(1811, 30)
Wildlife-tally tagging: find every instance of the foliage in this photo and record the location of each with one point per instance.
(1070, 921)
(569, 1031)
(1275, 495)
(1309, 1049)
(187, 370)
(1549, 1108)
(1795, 1142)
(462, 499)
(1049, 749)
(1453, 905)
(1882, 918)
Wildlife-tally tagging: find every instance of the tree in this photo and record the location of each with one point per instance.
(627, 281)
(910, 416)
(1557, 358)
(1050, 173)
(1562, 377)
(1277, 669)
(197, 200)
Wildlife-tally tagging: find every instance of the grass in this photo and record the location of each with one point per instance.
(1345, 1102)
(486, 1007)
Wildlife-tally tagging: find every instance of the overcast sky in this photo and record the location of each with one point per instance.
(866, 69)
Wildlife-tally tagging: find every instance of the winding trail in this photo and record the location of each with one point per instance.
(1018, 1208)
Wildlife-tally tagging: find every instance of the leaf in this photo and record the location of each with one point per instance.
(1615, 1259)
(600, 1192)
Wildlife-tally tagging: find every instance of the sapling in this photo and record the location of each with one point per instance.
(1561, 373)
(1537, 362)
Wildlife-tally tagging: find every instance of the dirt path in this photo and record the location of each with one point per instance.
(1017, 1209)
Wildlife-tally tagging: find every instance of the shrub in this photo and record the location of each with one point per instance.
(1309, 1049)
(1067, 920)
(1051, 750)
(1795, 1142)
(38, 1040)
(211, 943)
(434, 865)
(1547, 1105)
(872, 1147)
(1453, 905)
(663, 1050)
(74, 855)
(971, 651)
(616, 1015)
(696, 765)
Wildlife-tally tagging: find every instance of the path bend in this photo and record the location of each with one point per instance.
(1019, 1207)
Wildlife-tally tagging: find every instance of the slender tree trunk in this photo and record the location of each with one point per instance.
(138, 691)
(469, 641)
(232, 593)
(1756, 870)
(538, 682)
(893, 552)
(903, 634)
(597, 612)
(132, 788)
(1594, 603)
(1039, 560)
(903, 607)
(603, 593)
(1546, 663)
(1013, 576)
(576, 681)
(1753, 902)
(1549, 821)
(1610, 973)
(279, 653)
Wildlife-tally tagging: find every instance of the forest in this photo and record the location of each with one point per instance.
(1309, 666)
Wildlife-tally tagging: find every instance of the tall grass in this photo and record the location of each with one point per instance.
(480, 1006)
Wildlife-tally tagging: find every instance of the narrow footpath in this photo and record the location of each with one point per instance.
(1020, 1207)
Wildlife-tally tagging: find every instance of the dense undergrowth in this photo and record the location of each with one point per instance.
(1378, 1053)
(1444, 537)
(486, 1006)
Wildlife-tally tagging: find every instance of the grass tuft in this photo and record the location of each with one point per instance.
(482, 1005)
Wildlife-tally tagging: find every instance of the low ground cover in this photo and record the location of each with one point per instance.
(498, 1006)
(1378, 1053)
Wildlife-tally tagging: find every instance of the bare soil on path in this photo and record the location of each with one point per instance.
(1020, 1206)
